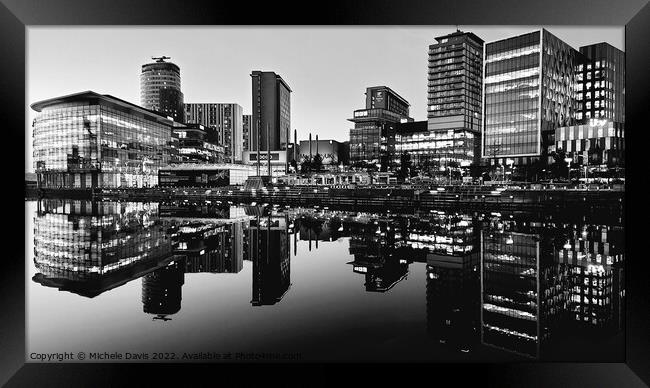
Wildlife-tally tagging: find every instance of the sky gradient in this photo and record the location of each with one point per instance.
(328, 68)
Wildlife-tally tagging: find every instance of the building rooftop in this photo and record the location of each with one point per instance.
(257, 73)
(460, 33)
(391, 91)
(90, 96)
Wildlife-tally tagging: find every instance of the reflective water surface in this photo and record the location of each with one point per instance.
(322, 284)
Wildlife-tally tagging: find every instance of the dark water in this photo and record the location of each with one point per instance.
(275, 283)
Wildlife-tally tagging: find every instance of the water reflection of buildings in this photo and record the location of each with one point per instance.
(268, 248)
(377, 255)
(161, 290)
(594, 255)
(210, 237)
(547, 282)
(453, 279)
(89, 247)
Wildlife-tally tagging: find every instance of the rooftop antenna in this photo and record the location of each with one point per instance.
(160, 59)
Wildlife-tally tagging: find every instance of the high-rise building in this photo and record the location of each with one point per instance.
(374, 127)
(272, 108)
(455, 79)
(598, 138)
(246, 132)
(160, 88)
(225, 120)
(270, 129)
(88, 140)
(529, 91)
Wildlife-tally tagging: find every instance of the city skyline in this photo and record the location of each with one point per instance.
(328, 78)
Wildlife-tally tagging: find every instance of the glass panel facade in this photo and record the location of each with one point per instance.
(530, 90)
(512, 96)
(116, 147)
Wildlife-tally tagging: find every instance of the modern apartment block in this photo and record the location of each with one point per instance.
(226, 122)
(455, 95)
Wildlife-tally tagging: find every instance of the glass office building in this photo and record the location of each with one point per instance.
(89, 140)
(434, 151)
(599, 137)
(529, 90)
(372, 138)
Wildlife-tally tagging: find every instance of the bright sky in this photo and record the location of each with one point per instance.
(328, 68)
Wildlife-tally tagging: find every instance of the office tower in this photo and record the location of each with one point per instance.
(160, 88)
(372, 138)
(224, 123)
(598, 138)
(528, 92)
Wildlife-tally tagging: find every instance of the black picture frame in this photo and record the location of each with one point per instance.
(17, 15)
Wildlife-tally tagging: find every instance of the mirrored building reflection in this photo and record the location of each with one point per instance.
(89, 247)
(162, 290)
(209, 236)
(374, 244)
(547, 284)
(269, 250)
(453, 281)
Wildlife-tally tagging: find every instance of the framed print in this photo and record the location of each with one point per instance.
(224, 188)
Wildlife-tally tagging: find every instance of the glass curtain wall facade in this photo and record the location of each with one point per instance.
(431, 151)
(599, 138)
(89, 246)
(372, 140)
(90, 140)
(529, 91)
(510, 297)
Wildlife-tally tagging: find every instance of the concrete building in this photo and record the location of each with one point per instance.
(330, 150)
(271, 123)
(225, 120)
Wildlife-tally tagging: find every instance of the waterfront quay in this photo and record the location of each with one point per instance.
(471, 197)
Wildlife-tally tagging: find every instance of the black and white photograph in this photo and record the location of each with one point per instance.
(302, 194)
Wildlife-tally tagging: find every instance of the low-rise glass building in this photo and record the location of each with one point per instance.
(89, 140)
